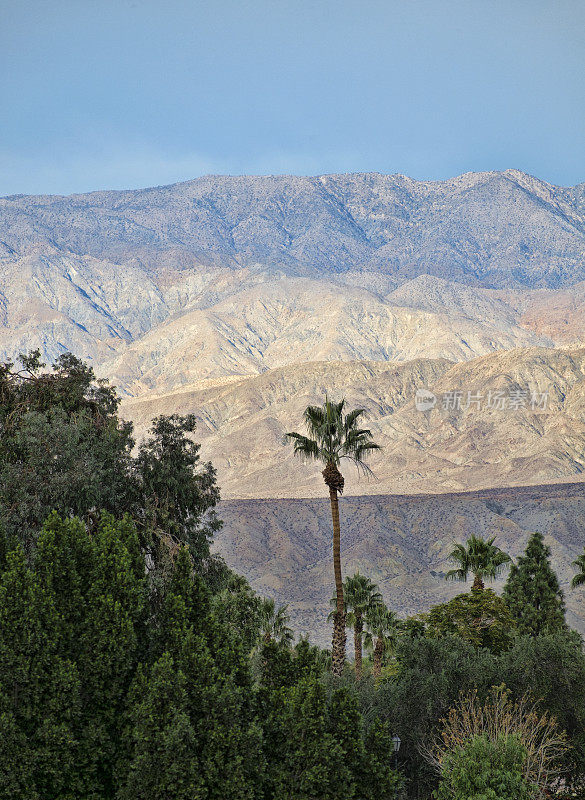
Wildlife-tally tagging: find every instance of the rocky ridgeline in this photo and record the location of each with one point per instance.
(402, 543)
(94, 272)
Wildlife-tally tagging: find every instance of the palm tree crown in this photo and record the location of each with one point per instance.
(274, 622)
(480, 557)
(381, 631)
(579, 578)
(361, 594)
(334, 435)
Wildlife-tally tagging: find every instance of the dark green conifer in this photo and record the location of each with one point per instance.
(97, 585)
(532, 591)
(163, 741)
(39, 694)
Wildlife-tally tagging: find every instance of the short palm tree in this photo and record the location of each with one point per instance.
(274, 622)
(360, 594)
(479, 557)
(579, 578)
(333, 436)
(381, 632)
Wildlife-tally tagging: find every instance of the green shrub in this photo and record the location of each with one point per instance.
(484, 770)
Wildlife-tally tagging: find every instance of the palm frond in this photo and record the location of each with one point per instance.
(351, 419)
(457, 574)
(305, 446)
(579, 578)
(478, 556)
(332, 437)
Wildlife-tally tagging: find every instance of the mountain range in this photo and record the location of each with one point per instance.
(243, 299)
(401, 542)
(96, 272)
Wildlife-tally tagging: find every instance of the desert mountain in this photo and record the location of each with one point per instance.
(243, 299)
(284, 546)
(299, 320)
(94, 273)
(509, 418)
(493, 228)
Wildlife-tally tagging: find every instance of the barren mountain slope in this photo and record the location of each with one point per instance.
(97, 273)
(493, 228)
(242, 422)
(295, 320)
(402, 542)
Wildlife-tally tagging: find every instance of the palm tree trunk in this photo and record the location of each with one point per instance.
(338, 644)
(357, 643)
(378, 650)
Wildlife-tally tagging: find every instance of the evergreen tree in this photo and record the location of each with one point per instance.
(479, 617)
(97, 585)
(219, 699)
(313, 762)
(177, 493)
(163, 742)
(377, 781)
(282, 666)
(532, 591)
(63, 448)
(40, 703)
(240, 609)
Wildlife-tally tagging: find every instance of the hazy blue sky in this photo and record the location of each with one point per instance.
(128, 93)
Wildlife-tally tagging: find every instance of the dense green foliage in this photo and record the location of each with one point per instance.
(63, 448)
(114, 686)
(484, 770)
(433, 672)
(316, 740)
(532, 591)
(133, 664)
(479, 617)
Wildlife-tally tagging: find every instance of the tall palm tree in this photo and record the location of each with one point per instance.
(482, 558)
(381, 632)
(333, 436)
(579, 578)
(360, 595)
(274, 622)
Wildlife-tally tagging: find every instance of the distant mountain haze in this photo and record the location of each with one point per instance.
(494, 229)
(243, 298)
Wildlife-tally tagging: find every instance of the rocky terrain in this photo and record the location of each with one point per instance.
(495, 228)
(401, 542)
(243, 299)
(464, 442)
(95, 273)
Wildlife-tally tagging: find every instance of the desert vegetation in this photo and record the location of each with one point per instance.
(135, 664)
